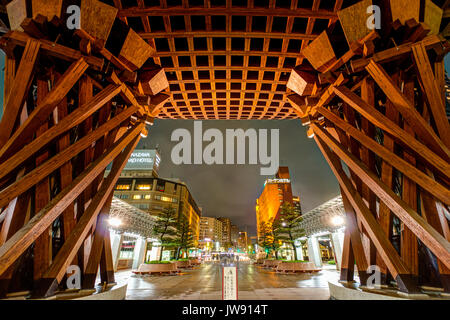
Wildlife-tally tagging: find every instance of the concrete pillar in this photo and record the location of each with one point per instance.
(156, 251)
(337, 239)
(139, 252)
(299, 252)
(314, 251)
(116, 245)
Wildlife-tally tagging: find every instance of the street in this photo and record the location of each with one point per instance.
(254, 283)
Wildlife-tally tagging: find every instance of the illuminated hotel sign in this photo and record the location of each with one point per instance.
(277, 181)
(143, 160)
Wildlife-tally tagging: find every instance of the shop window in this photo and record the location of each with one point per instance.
(147, 197)
(123, 187)
(137, 197)
(143, 187)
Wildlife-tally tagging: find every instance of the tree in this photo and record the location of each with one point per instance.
(286, 221)
(275, 232)
(184, 236)
(265, 236)
(165, 227)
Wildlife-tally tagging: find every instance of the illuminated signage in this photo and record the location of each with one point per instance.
(143, 160)
(277, 181)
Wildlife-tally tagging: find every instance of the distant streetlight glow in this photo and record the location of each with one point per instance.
(114, 222)
(337, 221)
(284, 224)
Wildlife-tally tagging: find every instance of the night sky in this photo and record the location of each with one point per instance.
(231, 190)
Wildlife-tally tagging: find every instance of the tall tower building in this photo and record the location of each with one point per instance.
(276, 192)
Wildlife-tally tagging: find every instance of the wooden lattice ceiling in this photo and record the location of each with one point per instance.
(228, 59)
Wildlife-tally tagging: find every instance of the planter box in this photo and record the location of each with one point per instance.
(271, 263)
(185, 264)
(297, 267)
(162, 268)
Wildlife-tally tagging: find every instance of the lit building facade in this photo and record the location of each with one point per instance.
(226, 231)
(243, 242)
(276, 192)
(234, 235)
(140, 186)
(210, 230)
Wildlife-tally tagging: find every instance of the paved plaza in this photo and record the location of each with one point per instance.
(254, 283)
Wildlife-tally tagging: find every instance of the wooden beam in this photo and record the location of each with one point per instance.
(32, 178)
(432, 92)
(381, 121)
(394, 53)
(97, 19)
(47, 8)
(428, 235)
(97, 245)
(19, 90)
(17, 12)
(53, 49)
(387, 251)
(408, 243)
(390, 157)
(153, 81)
(320, 53)
(70, 247)
(22, 239)
(43, 244)
(213, 11)
(67, 123)
(355, 241)
(354, 21)
(44, 109)
(407, 109)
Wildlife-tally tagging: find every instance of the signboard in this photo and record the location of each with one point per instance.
(143, 160)
(166, 255)
(277, 181)
(229, 283)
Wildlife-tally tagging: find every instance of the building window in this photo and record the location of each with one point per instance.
(143, 187)
(123, 187)
(124, 196)
(136, 197)
(166, 199)
(148, 197)
(143, 206)
(174, 200)
(157, 197)
(157, 208)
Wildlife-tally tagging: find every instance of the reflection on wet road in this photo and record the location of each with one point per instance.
(255, 283)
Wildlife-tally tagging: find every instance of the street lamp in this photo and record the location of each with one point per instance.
(337, 221)
(114, 222)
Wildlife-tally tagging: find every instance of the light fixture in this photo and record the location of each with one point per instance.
(337, 221)
(114, 222)
(284, 224)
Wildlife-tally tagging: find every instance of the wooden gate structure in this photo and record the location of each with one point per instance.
(369, 85)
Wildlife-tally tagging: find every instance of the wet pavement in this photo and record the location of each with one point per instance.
(254, 283)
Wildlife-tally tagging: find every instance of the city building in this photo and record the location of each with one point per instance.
(226, 231)
(243, 241)
(275, 193)
(210, 230)
(234, 235)
(140, 186)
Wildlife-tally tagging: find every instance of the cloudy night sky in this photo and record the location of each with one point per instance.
(231, 190)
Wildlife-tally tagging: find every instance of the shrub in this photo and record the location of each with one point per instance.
(292, 261)
(332, 262)
(158, 262)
